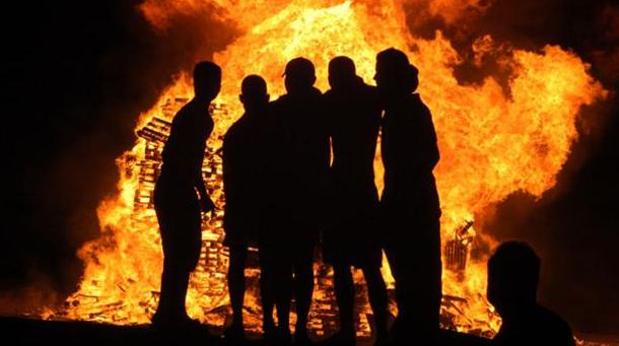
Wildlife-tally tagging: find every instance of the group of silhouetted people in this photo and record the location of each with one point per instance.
(299, 171)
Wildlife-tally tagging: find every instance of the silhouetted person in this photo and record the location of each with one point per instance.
(513, 276)
(247, 152)
(180, 195)
(354, 115)
(306, 143)
(410, 203)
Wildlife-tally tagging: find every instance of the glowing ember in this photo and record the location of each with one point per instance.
(492, 144)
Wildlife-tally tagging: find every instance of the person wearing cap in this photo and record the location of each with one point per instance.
(353, 236)
(410, 203)
(306, 162)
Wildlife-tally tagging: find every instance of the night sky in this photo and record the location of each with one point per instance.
(77, 73)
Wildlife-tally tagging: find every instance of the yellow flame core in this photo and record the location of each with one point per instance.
(491, 144)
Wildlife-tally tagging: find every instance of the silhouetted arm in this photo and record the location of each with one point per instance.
(229, 169)
(431, 155)
(197, 144)
(205, 200)
(410, 145)
(326, 139)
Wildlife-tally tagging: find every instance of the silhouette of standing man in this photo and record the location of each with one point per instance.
(354, 115)
(250, 184)
(244, 170)
(410, 201)
(513, 276)
(306, 142)
(176, 201)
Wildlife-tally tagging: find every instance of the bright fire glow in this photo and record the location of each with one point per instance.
(492, 144)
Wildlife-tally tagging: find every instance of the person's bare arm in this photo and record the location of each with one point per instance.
(206, 204)
(428, 146)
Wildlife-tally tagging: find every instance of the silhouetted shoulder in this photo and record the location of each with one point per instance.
(303, 112)
(361, 100)
(370, 90)
(277, 107)
(278, 102)
(191, 112)
(539, 326)
(419, 105)
(561, 331)
(360, 87)
(184, 149)
(233, 131)
(313, 93)
(181, 118)
(316, 92)
(192, 118)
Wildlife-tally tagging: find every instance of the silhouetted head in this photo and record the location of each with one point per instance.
(206, 80)
(342, 72)
(513, 276)
(395, 76)
(300, 75)
(254, 94)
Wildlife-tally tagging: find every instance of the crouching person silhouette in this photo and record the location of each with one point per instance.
(180, 196)
(250, 179)
(513, 276)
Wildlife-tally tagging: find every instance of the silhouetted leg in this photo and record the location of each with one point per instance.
(178, 214)
(283, 301)
(171, 303)
(174, 284)
(377, 294)
(426, 297)
(236, 284)
(402, 271)
(345, 296)
(394, 265)
(303, 287)
(417, 271)
(283, 270)
(267, 294)
(268, 300)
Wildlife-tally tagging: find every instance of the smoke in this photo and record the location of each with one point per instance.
(603, 47)
(588, 27)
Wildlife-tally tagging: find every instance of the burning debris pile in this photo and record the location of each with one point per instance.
(210, 275)
(457, 249)
(493, 142)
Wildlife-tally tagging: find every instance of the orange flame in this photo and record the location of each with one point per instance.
(492, 144)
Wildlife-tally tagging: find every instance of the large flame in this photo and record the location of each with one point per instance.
(493, 142)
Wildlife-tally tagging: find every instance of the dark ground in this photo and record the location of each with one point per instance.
(76, 73)
(20, 331)
(23, 331)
